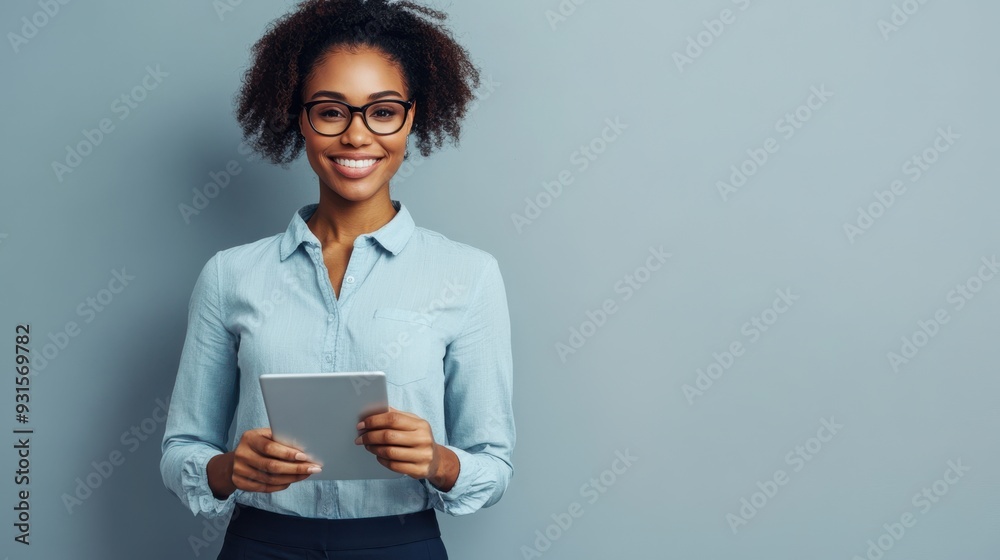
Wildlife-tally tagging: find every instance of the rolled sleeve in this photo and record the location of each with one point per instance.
(203, 400)
(479, 417)
(199, 496)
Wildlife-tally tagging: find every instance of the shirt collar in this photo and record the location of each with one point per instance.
(392, 236)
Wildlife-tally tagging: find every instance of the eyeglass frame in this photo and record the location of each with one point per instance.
(408, 104)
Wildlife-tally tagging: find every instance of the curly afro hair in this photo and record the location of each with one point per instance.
(436, 70)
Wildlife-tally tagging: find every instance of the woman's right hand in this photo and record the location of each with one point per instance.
(258, 464)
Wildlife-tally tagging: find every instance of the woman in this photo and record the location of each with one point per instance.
(351, 285)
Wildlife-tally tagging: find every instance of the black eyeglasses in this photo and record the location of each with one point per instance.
(332, 118)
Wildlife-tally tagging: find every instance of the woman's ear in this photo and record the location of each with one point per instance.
(409, 127)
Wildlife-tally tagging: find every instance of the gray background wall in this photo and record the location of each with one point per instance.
(825, 359)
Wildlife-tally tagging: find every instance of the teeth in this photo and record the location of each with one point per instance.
(357, 163)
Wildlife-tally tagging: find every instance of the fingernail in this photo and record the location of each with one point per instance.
(314, 470)
(360, 425)
(301, 457)
(357, 439)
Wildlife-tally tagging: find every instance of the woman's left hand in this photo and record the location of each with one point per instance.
(403, 442)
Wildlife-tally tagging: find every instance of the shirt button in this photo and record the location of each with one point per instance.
(329, 319)
(350, 279)
(327, 358)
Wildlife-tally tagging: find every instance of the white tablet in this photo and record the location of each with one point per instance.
(318, 413)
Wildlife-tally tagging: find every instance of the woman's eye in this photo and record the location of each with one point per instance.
(383, 113)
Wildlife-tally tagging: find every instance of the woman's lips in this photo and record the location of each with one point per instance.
(355, 172)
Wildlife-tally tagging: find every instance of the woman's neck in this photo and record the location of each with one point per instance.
(338, 221)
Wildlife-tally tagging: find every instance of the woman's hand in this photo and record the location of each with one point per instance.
(258, 464)
(404, 443)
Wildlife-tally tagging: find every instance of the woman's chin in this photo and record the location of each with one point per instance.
(354, 191)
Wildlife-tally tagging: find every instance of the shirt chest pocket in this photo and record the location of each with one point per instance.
(406, 346)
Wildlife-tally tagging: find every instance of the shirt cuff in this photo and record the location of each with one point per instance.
(200, 498)
(473, 487)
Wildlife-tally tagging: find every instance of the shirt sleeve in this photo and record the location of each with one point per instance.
(479, 418)
(203, 400)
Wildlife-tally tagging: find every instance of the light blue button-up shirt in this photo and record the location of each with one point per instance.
(428, 311)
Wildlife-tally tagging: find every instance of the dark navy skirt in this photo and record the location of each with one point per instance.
(256, 534)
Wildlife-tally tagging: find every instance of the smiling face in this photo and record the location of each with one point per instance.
(356, 78)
